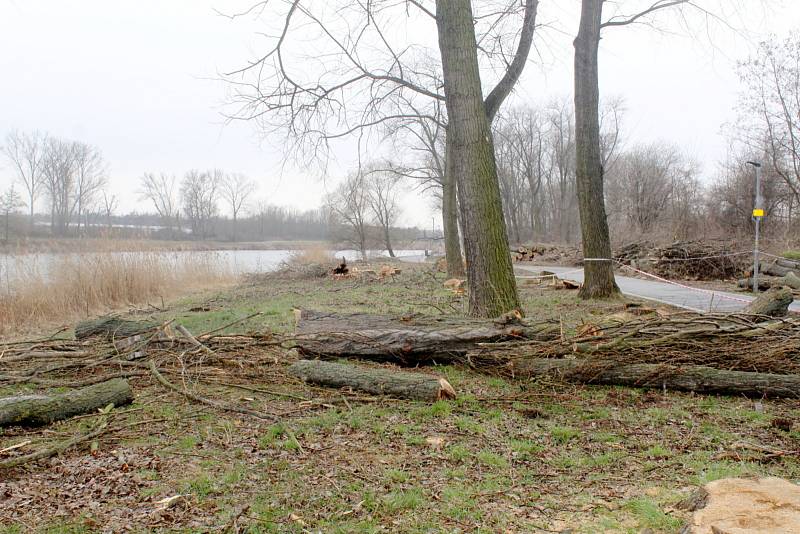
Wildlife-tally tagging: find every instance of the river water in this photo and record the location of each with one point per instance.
(234, 261)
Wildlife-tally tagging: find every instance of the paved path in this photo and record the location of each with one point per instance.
(690, 299)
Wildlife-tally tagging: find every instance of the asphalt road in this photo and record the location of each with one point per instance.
(690, 299)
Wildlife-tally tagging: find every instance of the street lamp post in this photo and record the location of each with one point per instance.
(758, 213)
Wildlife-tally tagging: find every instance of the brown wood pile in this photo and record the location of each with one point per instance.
(685, 260)
(549, 254)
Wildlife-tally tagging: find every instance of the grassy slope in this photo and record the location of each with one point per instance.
(506, 456)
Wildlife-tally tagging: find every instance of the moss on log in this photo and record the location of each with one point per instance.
(111, 328)
(44, 409)
(377, 381)
(695, 378)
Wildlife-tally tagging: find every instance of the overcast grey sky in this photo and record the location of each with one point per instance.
(135, 78)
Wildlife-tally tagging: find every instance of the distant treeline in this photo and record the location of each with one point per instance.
(268, 223)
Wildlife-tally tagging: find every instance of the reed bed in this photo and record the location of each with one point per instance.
(35, 294)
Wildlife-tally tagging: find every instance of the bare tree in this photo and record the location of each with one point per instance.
(199, 195)
(58, 170)
(648, 187)
(161, 191)
(90, 178)
(110, 205)
(349, 206)
(9, 203)
(359, 76)
(772, 103)
(235, 188)
(423, 136)
(25, 151)
(382, 188)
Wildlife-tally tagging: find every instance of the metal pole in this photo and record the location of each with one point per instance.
(757, 214)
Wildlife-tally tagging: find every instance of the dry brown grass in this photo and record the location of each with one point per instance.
(73, 286)
(312, 256)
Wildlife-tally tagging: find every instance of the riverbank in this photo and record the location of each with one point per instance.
(54, 294)
(505, 456)
(76, 245)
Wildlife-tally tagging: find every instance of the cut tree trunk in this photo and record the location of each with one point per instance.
(773, 269)
(470, 149)
(695, 378)
(790, 280)
(789, 264)
(598, 269)
(111, 328)
(773, 302)
(407, 341)
(44, 409)
(763, 283)
(376, 381)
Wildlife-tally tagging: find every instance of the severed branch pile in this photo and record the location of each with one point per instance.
(748, 353)
(684, 260)
(710, 353)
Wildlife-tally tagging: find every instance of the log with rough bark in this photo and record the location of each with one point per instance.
(695, 378)
(763, 283)
(377, 381)
(789, 264)
(773, 302)
(44, 409)
(407, 340)
(773, 269)
(790, 280)
(111, 328)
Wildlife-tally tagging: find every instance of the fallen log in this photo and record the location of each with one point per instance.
(791, 264)
(695, 378)
(773, 302)
(790, 280)
(111, 328)
(763, 283)
(406, 340)
(773, 269)
(376, 381)
(44, 409)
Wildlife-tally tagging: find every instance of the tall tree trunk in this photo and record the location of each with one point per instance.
(598, 273)
(490, 275)
(452, 241)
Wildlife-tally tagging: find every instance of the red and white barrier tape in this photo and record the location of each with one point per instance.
(698, 289)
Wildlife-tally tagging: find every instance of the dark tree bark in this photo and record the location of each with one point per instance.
(598, 270)
(377, 381)
(452, 240)
(490, 275)
(407, 341)
(44, 409)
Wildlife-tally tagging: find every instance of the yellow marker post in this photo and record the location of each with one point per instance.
(758, 213)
